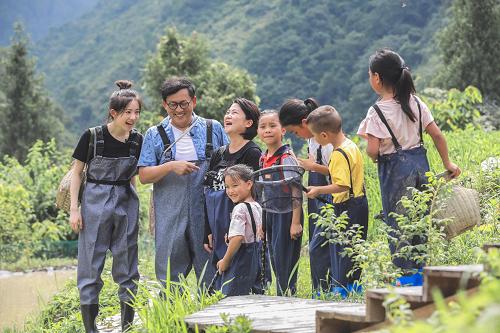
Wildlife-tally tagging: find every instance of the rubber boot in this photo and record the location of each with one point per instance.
(127, 312)
(89, 314)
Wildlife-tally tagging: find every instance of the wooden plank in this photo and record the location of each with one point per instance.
(342, 320)
(267, 313)
(375, 310)
(423, 312)
(353, 313)
(449, 279)
(411, 294)
(452, 271)
(488, 246)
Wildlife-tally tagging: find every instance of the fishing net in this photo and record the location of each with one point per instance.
(278, 189)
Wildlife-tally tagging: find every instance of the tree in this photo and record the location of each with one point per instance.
(218, 83)
(469, 47)
(26, 112)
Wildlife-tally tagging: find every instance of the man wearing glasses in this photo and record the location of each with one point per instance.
(174, 157)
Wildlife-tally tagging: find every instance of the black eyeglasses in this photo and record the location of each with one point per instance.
(183, 104)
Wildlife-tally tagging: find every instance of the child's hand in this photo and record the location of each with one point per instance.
(222, 266)
(307, 163)
(454, 169)
(295, 231)
(209, 247)
(260, 232)
(312, 192)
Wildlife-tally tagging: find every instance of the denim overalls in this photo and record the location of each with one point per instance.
(319, 255)
(357, 210)
(110, 213)
(218, 207)
(240, 278)
(398, 171)
(179, 214)
(284, 251)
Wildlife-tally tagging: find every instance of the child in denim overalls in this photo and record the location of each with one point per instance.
(283, 231)
(347, 188)
(293, 114)
(394, 128)
(239, 265)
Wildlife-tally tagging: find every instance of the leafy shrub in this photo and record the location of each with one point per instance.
(453, 109)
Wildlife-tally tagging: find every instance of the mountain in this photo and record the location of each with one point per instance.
(39, 16)
(294, 48)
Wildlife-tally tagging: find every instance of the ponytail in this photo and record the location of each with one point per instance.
(394, 73)
(402, 92)
(293, 111)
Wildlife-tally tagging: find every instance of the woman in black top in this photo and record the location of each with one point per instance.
(108, 217)
(240, 124)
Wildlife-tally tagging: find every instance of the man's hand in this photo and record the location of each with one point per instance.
(183, 167)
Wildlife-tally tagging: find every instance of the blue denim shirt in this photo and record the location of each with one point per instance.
(152, 146)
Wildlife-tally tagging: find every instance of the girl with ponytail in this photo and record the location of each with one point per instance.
(292, 115)
(394, 128)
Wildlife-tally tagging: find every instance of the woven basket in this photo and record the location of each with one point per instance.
(462, 207)
(63, 196)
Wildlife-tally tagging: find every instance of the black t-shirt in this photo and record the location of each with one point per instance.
(249, 154)
(112, 146)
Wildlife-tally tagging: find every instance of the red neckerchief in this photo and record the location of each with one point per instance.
(276, 159)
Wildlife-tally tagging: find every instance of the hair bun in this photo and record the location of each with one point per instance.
(311, 104)
(123, 84)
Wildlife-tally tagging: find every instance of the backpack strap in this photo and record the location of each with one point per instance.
(319, 156)
(279, 160)
(99, 141)
(90, 149)
(163, 135)
(209, 147)
(382, 117)
(419, 121)
(254, 226)
(351, 190)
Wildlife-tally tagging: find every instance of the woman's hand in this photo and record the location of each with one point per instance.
(75, 220)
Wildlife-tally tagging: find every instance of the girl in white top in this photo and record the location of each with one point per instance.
(394, 127)
(240, 265)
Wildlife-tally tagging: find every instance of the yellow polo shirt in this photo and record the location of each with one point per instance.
(339, 170)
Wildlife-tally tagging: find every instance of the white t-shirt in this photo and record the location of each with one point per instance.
(241, 223)
(405, 130)
(184, 148)
(326, 151)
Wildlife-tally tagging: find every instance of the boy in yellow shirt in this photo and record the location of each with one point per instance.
(347, 187)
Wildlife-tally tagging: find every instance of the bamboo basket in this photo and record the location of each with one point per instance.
(462, 207)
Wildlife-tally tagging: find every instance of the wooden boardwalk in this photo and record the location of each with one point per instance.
(267, 313)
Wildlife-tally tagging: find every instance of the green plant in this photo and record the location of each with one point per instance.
(454, 109)
(240, 324)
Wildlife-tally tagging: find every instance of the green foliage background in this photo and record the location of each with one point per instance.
(294, 48)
